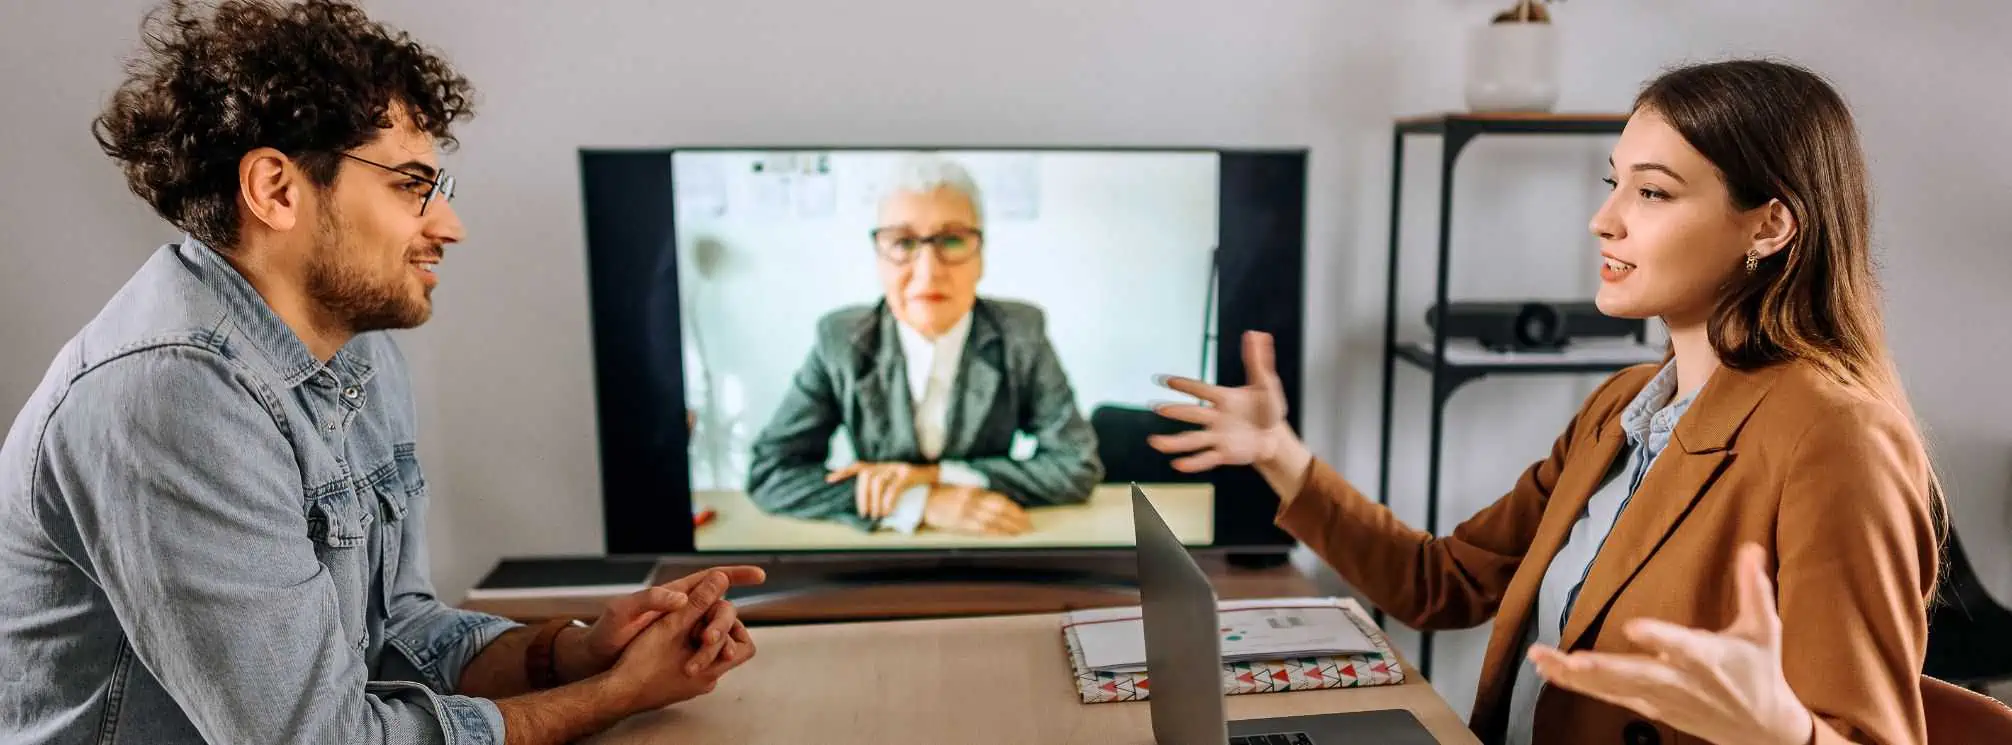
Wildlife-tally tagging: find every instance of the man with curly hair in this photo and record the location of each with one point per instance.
(211, 511)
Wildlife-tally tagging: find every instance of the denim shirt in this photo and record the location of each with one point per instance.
(208, 535)
(1649, 421)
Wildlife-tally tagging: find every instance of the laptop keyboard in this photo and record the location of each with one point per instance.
(1294, 738)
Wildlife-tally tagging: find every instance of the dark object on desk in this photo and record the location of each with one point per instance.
(1121, 445)
(1969, 633)
(1296, 738)
(1184, 657)
(558, 576)
(1530, 325)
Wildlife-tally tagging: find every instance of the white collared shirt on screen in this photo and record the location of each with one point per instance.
(932, 367)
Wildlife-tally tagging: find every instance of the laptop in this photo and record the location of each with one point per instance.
(1184, 652)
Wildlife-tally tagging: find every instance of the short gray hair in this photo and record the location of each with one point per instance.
(922, 173)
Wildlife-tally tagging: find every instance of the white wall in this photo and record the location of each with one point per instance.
(504, 370)
(1093, 239)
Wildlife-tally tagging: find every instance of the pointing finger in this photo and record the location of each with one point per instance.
(1193, 387)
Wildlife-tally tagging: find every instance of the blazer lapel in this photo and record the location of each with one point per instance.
(1568, 501)
(883, 392)
(1697, 453)
(978, 382)
(1666, 495)
(1582, 476)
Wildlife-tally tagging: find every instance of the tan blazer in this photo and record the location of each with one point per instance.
(1835, 485)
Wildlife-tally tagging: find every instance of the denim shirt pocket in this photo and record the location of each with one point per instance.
(411, 483)
(338, 524)
(397, 489)
(336, 519)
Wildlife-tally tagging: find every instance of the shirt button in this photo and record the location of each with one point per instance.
(351, 392)
(330, 426)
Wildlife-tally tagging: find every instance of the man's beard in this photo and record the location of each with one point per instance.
(351, 294)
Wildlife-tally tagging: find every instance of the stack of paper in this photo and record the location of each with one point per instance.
(1113, 640)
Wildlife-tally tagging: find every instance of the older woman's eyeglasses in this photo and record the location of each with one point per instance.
(952, 246)
(438, 185)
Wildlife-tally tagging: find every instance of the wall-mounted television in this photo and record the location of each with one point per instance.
(928, 351)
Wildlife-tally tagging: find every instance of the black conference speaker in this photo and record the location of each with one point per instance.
(1532, 325)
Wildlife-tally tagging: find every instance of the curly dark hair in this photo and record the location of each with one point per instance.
(311, 79)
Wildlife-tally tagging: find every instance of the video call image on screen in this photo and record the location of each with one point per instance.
(887, 349)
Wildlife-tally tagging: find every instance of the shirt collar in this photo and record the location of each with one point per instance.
(1647, 419)
(256, 321)
(915, 345)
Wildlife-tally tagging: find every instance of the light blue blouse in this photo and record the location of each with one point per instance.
(1648, 424)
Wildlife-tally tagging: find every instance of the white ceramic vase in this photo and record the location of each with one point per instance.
(1512, 67)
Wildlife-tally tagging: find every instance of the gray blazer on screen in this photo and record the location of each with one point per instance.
(856, 377)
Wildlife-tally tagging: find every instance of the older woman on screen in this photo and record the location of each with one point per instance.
(930, 385)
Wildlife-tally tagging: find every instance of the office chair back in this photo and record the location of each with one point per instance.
(1969, 633)
(1121, 445)
(1959, 716)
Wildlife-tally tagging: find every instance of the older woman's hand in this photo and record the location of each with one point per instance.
(878, 486)
(1725, 686)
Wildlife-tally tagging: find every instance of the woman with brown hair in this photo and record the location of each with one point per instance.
(1740, 217)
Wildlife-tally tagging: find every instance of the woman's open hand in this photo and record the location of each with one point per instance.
(1724, 686)
(1239, 426)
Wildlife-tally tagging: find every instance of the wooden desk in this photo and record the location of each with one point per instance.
(969, 681)
(1103, 521)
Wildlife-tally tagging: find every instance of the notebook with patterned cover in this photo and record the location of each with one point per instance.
(1268, 676)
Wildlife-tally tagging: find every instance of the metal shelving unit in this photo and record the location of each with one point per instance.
(1449, 364)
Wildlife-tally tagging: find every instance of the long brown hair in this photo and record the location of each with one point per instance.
(1777, 131)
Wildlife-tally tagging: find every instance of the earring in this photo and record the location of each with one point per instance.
(1753, 260)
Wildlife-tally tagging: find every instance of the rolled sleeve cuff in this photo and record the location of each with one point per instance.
(442, 648)
(482, 629)
(471, 721)
(462, 720)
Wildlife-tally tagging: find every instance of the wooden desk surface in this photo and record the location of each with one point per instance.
(1105, 520)
(970, 681)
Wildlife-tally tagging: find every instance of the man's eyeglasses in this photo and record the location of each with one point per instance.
(952, 246)
(441, 185)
